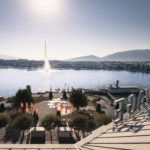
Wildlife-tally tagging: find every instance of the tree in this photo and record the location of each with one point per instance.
(79, 122)
(49, 122)
(22, 95)
(103, 119)
(78, 98)
(98, 108)
(36, 118)
(58, 113)
(29, 89)
(50, 95)
(4, 120)
(64, 94)
(23, 122)
(2, 107)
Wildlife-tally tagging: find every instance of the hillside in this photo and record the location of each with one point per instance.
(130, 55)
(85, 58)
(7, 57)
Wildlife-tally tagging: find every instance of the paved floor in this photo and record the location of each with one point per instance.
(133, 134)
(48, 107)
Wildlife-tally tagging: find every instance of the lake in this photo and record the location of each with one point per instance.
(13, 79)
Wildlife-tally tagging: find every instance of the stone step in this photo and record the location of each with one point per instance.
(118, 147)
(116, 134)
(136, 140)
(88, 147)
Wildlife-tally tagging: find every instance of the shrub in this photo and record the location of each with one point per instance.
(49, 122)
(4, 120)
(103, 119)
(23, 122)
(84, 113)
(96, 99)
(79, 122)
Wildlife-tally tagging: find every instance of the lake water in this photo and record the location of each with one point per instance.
(13, 79)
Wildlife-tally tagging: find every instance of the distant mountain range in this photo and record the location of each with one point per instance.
(130, 55)
(85, 58)
(7, 57)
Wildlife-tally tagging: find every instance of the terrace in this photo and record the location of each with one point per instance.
(130, 130)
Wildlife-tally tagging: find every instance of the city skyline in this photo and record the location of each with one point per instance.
(73, 28)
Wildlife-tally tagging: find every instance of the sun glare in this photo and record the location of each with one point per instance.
(45, 7)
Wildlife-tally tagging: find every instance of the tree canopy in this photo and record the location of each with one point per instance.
(23, 122)
(79, 122)
(50, 95)
(98, 108)
(4, 119)
(78, 98)
(22, 95)
(2, 107)
(103, 119)
(29, 89)
(49, 122)
(64, 94)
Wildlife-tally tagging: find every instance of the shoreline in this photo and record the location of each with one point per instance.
(75, 69)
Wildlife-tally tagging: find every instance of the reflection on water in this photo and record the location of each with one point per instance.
(13, 79)
(47, 81)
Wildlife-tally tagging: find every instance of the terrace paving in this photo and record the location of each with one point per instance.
(132, 134)
(129, 135)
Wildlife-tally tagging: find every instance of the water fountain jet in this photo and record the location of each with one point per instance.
(46, 64)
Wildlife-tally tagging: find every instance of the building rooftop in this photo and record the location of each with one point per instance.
(130, 131)
(133, 133)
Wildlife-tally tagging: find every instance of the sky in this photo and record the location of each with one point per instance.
(73, 28)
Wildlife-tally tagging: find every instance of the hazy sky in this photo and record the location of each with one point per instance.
(73, 27)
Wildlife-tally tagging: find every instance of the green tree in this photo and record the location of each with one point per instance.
(64, 94)
(58, 113)
(2, 107)
(78, 98)
(103, 119)
(49, 122)
(22, 95)
(50, 95)
(23, 122)
(29, 89)
(4, 119)
(79, 122)
(98, 108)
